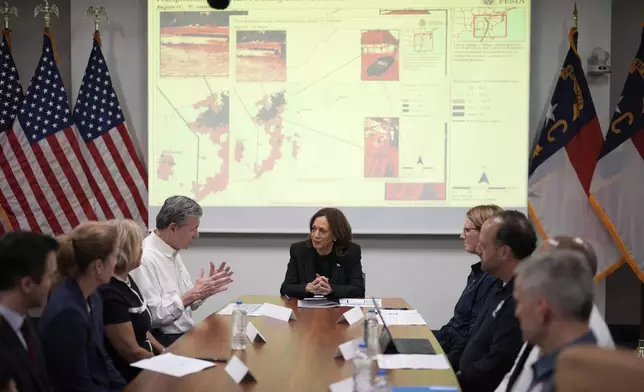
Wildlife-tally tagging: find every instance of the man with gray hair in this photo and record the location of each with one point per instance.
(553, 293)
(162, 277)
(519, 378)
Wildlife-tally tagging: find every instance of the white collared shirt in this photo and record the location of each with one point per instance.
(596, 323)
(15, 320)
(163, 280)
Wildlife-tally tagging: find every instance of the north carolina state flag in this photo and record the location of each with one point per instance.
(563, 163)
(617, 190)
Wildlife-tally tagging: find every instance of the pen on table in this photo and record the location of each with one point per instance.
(395, 308)
(214, 359)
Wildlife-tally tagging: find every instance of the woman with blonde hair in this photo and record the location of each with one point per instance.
(458, 329)
(125, 313)
(71, 325)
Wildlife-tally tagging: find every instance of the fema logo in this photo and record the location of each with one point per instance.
(488, 2)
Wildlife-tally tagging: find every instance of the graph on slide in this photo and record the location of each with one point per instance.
(489, 23)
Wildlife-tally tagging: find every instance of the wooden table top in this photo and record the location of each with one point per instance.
(298, 355)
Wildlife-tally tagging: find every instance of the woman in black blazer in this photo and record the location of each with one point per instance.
(328, 263)
(71, 325)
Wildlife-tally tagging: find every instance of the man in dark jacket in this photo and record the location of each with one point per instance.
(27, 271)
(505, 240)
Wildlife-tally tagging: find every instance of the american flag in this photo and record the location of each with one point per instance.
(11, 97)
(44, 184)
(120, 185)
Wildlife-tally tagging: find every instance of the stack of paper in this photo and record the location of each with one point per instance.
(412, 361)
(317, 303)
(361, 302)
(173, 365)
(251, 309)
(402, 317)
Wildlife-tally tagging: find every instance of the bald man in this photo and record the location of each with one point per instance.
(520, 377)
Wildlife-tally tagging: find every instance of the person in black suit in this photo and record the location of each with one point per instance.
(27, 271)
(328, 263)
(71, 325)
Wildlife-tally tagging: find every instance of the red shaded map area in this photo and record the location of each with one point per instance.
(270, 117)
(165, 166)
(214, 121)
(239, 151)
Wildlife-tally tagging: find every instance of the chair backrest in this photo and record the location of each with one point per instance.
(594, 369)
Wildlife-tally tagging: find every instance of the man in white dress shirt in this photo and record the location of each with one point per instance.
(162, 277)
(519, 378)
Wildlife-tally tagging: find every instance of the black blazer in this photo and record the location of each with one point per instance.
(346, 278)
(72, 340)
(15, 361)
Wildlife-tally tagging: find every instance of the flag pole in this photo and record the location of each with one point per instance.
(48, 10)
(98, 12)
(575, 17)
(6, 13)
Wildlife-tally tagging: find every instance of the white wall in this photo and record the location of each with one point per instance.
(427, 271)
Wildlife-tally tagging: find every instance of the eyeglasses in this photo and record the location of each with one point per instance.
(466, 230)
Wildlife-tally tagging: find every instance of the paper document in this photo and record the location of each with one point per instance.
(252, 309)
(317, 304)
(402, 317)
(173, 365)
(412, 361)
(345, 385)
(362, 302)
(425, 389)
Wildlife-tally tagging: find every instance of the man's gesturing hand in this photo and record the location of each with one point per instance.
(205, 287)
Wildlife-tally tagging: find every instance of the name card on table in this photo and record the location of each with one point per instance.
(278, 312)
(238, 371)
(348, 350)
(351, 316)
(253, 334)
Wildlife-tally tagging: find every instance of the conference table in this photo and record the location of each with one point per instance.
(298, 355)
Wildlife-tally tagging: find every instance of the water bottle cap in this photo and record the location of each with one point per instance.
(381, 372)
(363, 345)
(239, 302)
(372, 311)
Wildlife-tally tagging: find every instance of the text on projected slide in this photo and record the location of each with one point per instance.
(347, 103)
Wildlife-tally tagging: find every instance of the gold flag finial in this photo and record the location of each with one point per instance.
(47, 10)
(6, 12)
(575, 16)
(97, 11)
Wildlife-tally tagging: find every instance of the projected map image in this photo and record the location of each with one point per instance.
(490, 23)
(195, 43)
(261, 56)
(380, 54)
(329, 103)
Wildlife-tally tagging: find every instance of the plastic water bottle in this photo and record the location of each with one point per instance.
(371, 334)
(240, 321)
(362, 376)
(380, 382)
